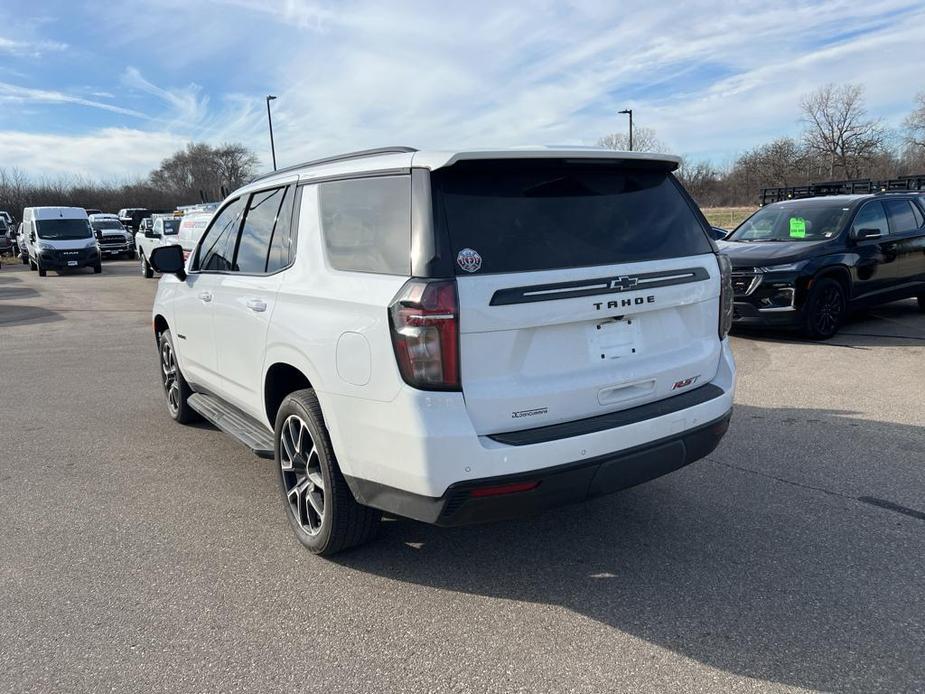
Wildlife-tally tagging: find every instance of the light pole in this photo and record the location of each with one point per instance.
(270, 98)
(628, 112)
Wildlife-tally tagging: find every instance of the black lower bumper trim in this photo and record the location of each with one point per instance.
(559, 485)
(612, 420)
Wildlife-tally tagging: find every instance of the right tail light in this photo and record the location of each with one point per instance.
(424, 318)
(725, 295)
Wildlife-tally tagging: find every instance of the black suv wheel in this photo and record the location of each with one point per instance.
(825, 309)
(319, 504)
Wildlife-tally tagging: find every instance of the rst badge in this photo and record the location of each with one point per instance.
(685, 382)
(469, 260)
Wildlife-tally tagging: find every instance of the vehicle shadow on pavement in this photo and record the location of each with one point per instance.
(14, 314)
(7, 293)
(762, 560)
(899, 324)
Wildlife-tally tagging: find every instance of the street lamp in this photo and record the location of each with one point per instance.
(270, 98)
(628, 112)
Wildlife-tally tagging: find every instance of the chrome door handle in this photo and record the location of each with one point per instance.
(205, 296)
(257, 305)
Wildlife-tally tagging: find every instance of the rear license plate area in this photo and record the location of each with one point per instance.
(613, 339)
(72, 263)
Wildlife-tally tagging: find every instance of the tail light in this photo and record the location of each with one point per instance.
(424, 317)
(725, 295)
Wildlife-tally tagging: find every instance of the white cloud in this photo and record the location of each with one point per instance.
(32, 49)
(710, 77)
(110, 153)
(13, 93)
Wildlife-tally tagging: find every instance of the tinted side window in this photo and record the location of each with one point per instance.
(902, 218)
(282, 246)
(919, 218)
(367, 224)
(258, 230)
(871, 216)
(217, 247)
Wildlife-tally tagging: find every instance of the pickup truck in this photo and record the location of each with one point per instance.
(163, 232)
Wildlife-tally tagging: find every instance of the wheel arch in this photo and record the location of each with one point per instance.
(281, 379)
(840, 274)
(160, 326)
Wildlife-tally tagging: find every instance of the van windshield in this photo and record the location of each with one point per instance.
(545, 214)
(63, 229)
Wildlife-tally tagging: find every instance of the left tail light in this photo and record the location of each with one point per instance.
(725, 295)
(424, 320)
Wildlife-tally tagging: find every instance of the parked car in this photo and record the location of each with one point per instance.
(163, 232)
(452, 336)
(7, 217)
(191, 230)
(6, 242)
(21, 244)
(131, 217)
(113, 238)
(59, 238)
(805, 263)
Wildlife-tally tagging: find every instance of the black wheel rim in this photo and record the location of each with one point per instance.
(169, 374)
(829, 311)
(300, 464)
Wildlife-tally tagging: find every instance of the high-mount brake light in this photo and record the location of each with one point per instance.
(424, 319)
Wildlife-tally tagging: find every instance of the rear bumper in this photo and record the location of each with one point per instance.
(555, 486)
(422, 445)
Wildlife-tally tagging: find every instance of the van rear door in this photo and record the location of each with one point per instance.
(585, 287)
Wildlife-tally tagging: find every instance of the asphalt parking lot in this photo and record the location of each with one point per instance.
(140, 555)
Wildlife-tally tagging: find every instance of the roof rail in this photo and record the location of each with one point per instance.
(902, 184)
(340, 157)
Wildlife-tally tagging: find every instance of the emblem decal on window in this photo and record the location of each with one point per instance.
(469, 260)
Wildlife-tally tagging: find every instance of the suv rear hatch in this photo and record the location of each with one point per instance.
(584, 287)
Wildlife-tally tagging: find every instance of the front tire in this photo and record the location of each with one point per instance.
(32, 266)
(176, 389)
(98, 268)
(38, 266)
(146, 270)
(921, 300)
(825, 309)
(24, 258)
(319, 504)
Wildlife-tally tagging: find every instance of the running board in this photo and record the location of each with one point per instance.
(232, 421)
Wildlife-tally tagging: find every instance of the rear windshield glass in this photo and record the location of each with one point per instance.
(520, 216)
(63, 229)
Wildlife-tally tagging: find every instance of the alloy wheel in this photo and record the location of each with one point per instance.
(829, 310)
(169, 373)
(302, 478)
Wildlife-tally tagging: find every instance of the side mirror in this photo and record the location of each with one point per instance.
(168, 260)
(864, 234)
(719, 233)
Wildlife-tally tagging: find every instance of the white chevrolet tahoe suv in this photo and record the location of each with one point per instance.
(452, 336)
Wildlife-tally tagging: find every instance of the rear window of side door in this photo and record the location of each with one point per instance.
(907, 229)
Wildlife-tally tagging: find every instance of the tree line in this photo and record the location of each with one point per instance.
(840, 140)
(196, 173)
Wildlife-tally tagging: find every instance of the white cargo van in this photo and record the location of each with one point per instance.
(59, 238)
(191, 229)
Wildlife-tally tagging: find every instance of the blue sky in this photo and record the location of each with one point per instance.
(107, 89)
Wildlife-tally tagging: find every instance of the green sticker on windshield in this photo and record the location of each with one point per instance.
(797, 228)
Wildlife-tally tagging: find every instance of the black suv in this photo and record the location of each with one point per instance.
(804, 263)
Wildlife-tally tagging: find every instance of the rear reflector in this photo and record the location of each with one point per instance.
(500, 489)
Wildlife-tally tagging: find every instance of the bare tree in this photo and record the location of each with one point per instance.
(644, 140)
(205, 169)
(837, 128)
(914, 128)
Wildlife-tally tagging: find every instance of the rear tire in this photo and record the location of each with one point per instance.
(38, 266)
(98, 268)
(25, 259)
(319, 504)
(824, 310)
(176, 389)
(146, 270)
